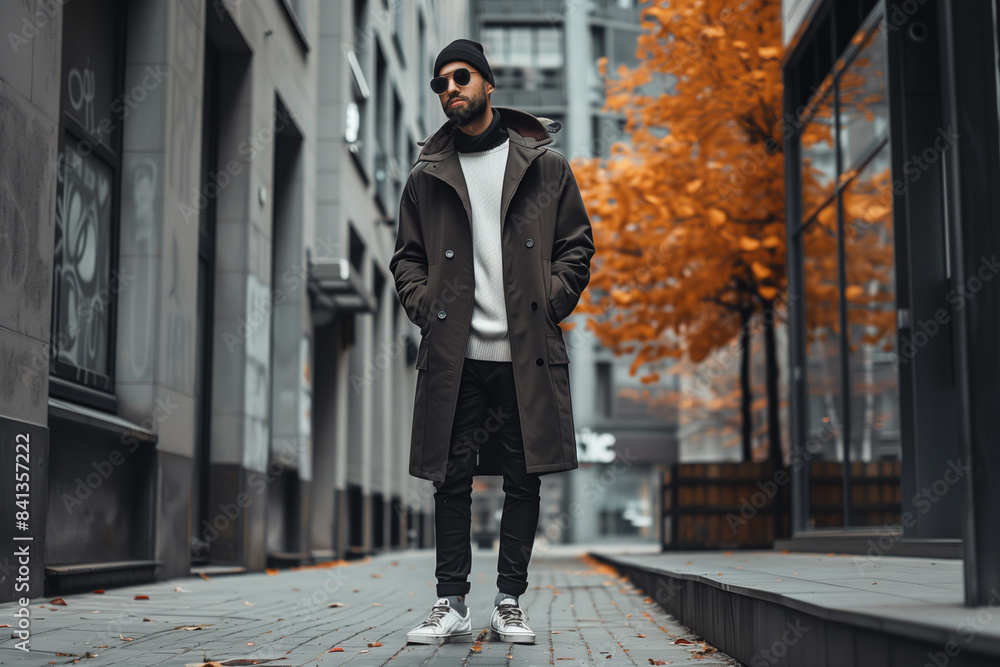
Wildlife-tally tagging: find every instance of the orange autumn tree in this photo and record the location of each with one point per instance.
(689, 216)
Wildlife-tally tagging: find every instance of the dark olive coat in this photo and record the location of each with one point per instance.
(547, 246)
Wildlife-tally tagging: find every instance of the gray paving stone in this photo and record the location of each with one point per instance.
(580, 612)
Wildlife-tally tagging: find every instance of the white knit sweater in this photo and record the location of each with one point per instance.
(484, 174)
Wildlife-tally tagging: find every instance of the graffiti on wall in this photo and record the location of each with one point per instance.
(83, 249)
(257, 379)
(138, 302)
(82, 86)
(305, 410)
(180, 327)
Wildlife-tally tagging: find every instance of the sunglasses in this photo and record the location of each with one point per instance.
(462, 76)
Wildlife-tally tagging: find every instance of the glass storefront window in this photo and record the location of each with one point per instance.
(824, 410)
(870, 296)
(863, 105)
(85, 246)
(819, 166)
(851, 389)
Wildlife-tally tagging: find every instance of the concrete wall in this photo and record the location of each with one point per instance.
(30, 53)
(29, 111)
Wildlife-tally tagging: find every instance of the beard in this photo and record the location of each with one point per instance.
(474, 107)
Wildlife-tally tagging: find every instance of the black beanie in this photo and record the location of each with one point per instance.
(467, 51)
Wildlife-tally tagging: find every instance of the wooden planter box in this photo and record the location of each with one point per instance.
(723, 505)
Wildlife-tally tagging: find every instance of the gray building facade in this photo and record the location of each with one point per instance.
(198, 337)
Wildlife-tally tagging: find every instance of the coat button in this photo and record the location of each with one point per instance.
(442, 314)
(449, 253)
(529, 242)
(539, 361)
(534, 305)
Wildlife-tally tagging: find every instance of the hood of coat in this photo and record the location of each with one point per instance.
(533, 130)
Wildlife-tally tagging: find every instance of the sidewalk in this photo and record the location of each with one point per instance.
(580, 610)
(781, 608)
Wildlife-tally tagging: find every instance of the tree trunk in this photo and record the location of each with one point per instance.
(773, 414)
(746, 393)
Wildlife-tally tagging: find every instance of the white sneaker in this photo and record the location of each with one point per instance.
(508, 623)
(443, 622)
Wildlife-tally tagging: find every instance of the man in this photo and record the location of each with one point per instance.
(493, 251)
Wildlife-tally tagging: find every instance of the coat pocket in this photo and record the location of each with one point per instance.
(557, 349)
(563, 402)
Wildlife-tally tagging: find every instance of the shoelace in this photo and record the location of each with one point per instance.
(512, 615)
(438, 612)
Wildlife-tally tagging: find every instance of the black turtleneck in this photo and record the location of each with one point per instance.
(491, 137)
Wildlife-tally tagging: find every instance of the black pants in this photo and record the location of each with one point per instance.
(486, 410)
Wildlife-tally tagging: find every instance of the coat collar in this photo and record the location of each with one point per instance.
(527, 130)
(527, 137)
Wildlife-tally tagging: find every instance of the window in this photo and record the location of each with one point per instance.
(848, 280)
(363, 35)
(357, 250)
(595, 82)
(525, 57)
(86, 226)
(422, 87)
(356, 113)
(397, 13)
(383, 133)
(603, 394)
(606, 130)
